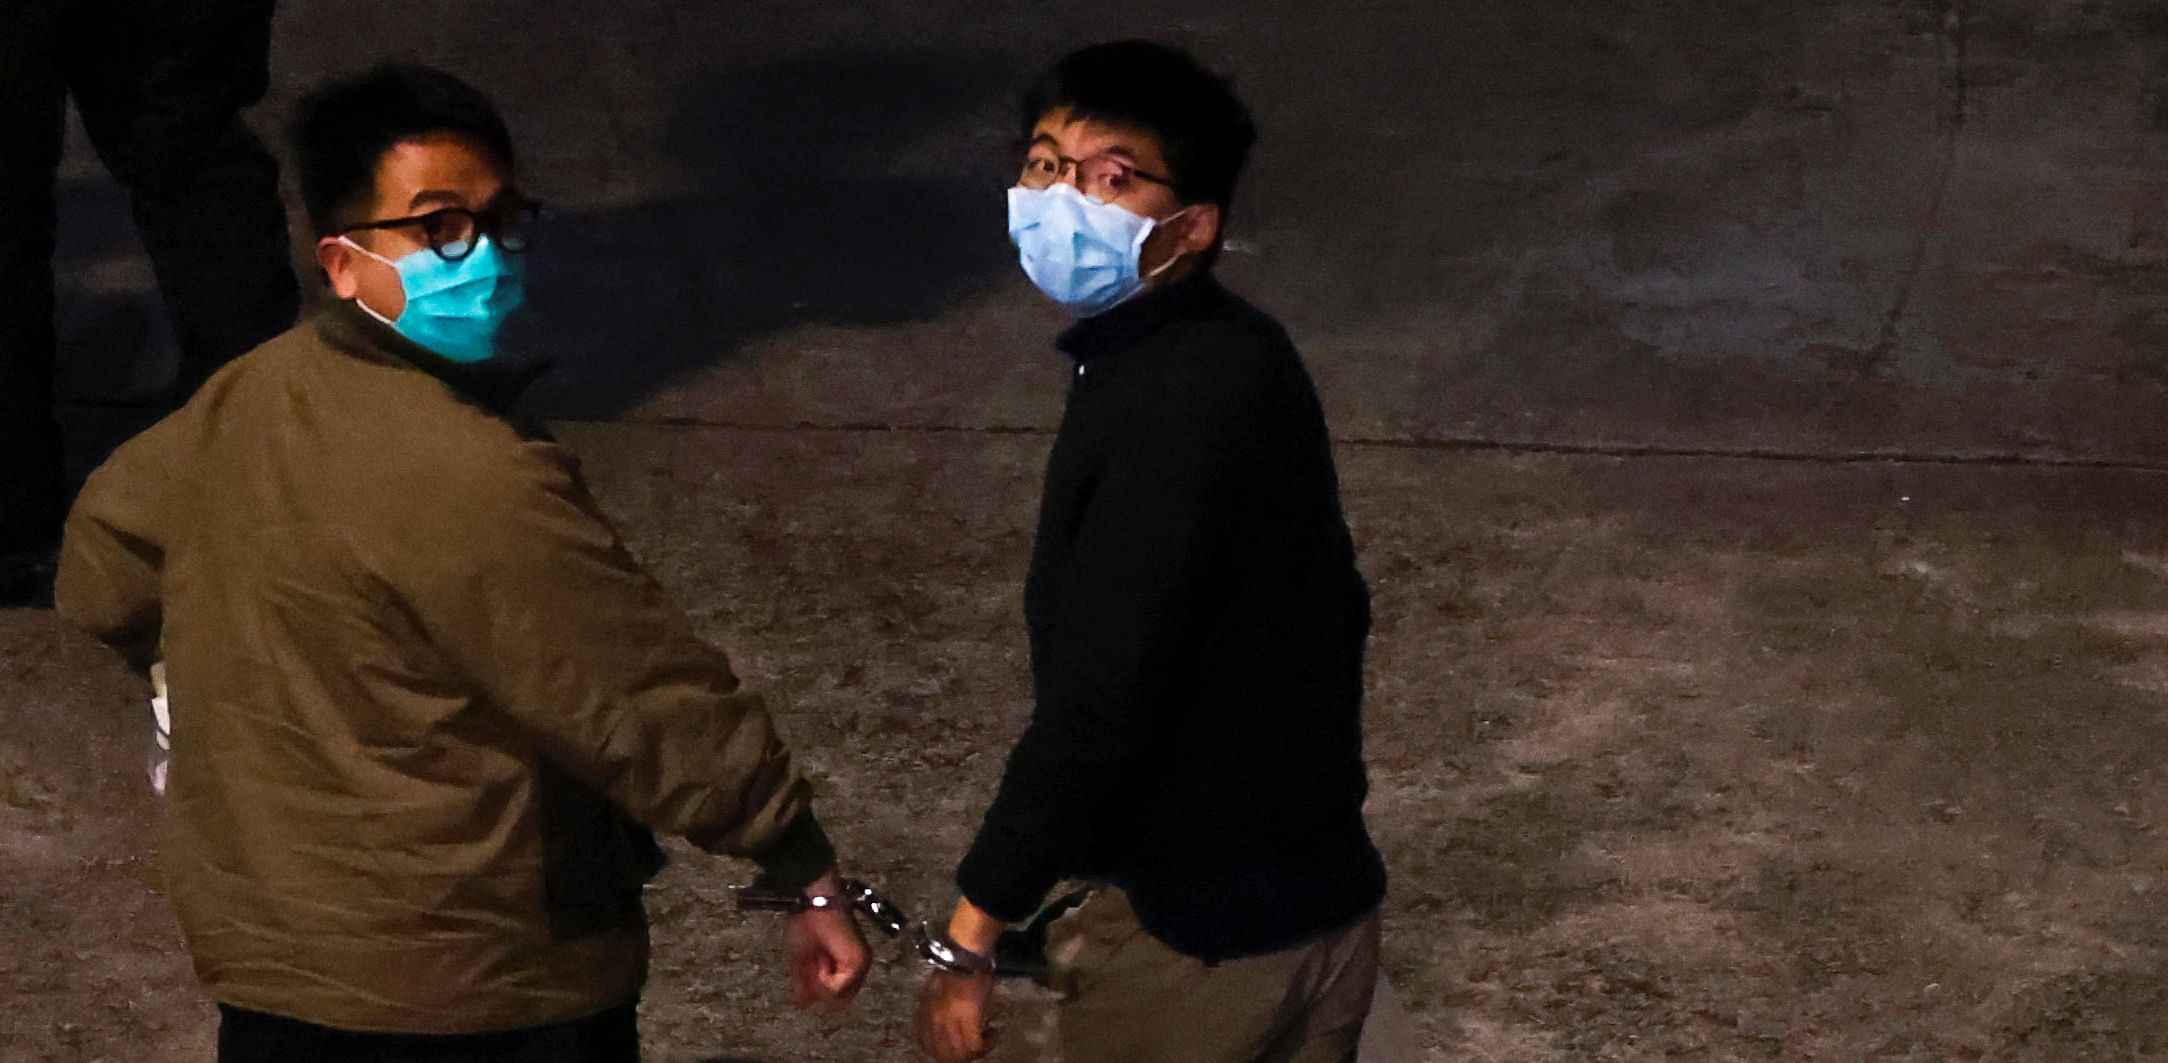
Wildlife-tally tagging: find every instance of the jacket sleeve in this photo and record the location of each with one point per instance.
(113, 549)
(550, 616)
(1113, 659)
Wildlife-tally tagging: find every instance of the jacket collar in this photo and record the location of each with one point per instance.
(495, 385)
(1114, 331)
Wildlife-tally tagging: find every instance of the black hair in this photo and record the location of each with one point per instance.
(1204, 129)
(343, 128)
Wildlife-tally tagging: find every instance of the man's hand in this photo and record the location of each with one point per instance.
(828, 956)
(955, 1011)
(953, 1014)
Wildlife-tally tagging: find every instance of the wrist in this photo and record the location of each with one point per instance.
(943, 953)
(825, 893)
(828, 893)
(974, 928)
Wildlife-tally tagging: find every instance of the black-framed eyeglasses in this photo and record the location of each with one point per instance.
(453, 232)
(1102, 177)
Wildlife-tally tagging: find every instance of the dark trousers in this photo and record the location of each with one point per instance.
(254, 1037)
(160, 85)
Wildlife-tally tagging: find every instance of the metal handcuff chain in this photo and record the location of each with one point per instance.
(1021, 953)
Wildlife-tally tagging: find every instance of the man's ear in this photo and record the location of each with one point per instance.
(336, 258)
(1202, 229)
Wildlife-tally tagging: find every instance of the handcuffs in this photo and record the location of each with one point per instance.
(764, 896)
(1021, 953)
(942, 953)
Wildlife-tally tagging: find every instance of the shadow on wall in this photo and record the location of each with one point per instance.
(829, 188)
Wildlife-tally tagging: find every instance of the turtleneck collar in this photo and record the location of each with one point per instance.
(1115, 330)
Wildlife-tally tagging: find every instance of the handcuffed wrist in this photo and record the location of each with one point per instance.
(764, 894)
(822, 902)
(941, 952)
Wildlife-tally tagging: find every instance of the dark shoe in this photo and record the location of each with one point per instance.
(26, 582)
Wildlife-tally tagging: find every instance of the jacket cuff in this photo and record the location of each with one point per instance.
(991, 890)
(797, 856)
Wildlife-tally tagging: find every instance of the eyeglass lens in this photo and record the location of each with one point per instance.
(1100, 177)
(452, 232)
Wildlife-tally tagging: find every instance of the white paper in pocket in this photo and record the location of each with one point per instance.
(161, 729)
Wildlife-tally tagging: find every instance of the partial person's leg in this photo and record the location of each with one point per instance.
(1127, 998)
(32, 110)
(161, 85)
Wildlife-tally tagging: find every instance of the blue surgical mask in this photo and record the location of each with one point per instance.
(1081, 252)
(455, 308)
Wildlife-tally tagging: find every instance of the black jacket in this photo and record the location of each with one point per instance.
(1197, 627)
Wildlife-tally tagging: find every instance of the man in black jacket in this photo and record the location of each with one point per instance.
(1197, 623)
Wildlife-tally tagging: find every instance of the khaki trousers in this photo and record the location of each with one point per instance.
(1127, 998)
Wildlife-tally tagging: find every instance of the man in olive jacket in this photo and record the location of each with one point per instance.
(427, 708)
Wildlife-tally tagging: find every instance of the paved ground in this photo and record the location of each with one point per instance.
(1672, 759)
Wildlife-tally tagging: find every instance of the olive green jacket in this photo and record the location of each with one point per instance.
(418, 685)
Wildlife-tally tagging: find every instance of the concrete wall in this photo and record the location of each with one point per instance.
(1810, 225)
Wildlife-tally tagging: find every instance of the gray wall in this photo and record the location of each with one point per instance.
(1806, 225)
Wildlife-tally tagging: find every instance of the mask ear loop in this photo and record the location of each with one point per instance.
(1169, 263)
(366, 308)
